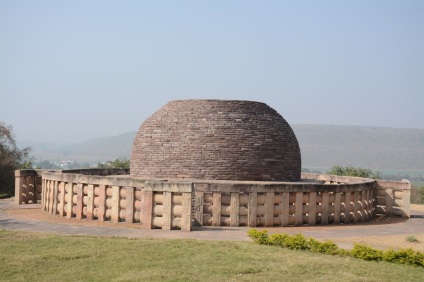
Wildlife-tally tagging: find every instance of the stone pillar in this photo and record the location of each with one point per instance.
(216, 209)
(286, 209)
(18, 188)
(129, 216)
(312, 213)
(389, 201)
(115, 203)
(70, 204)
(252, 209)
(337, 205)
(198, 208)
(298, 206)
(186, 213)
(90, 201)
(25, 183)
(406, 205)
(167, 211)
(146, 209)
(269, 209)
(101, 209)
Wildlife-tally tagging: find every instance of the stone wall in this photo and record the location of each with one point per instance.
(315, 200)
(116, 199)
(28, 186)
(394, 197)
(215, 139)
(270, 204)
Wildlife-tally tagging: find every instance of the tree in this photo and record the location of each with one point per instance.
(115, 164)
(11, 159)
(45, 164)
(417, 195)
(354, 171)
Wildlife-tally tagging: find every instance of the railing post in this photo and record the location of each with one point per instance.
(129, 216)
(252, 209)
(216, 209)
(406, 205)
(115, 203)
(198, 207)
(18, 188)
(146, 209)
(25, 186)
(186, 213)
(389, 201)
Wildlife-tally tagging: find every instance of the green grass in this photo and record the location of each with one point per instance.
(44, 257)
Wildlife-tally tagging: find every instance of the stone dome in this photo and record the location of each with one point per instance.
(216, 140)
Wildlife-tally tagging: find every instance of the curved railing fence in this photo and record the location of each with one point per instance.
(257, 204)
(118, 199)
(111, 195)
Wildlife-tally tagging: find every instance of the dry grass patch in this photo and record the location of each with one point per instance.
(46, 257)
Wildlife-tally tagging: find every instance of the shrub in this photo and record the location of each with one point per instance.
(328, 247)
(260, 237)
(354, 171)
(366, 253)
(297, 242)
(278, 239)
(115, 164)
(404, 256)
(411, 238)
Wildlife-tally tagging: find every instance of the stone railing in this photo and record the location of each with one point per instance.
(27, 186)
(316, 200)
(28, 181)
(335, 179)
(394, 198)
(282, 204)
(118, 199)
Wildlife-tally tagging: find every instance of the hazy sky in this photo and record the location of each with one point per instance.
(76, 70)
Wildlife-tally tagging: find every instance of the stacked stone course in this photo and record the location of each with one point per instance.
(216, 140)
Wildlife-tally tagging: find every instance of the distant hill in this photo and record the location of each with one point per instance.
(321, 146)
(362, 146)
(94, 150)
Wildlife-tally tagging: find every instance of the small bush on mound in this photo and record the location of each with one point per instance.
(278, 240)
(404, 256)
(366, 253)
(299, 242)
(260, 237)
(329, 247)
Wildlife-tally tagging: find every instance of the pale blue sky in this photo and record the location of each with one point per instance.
(76, 70)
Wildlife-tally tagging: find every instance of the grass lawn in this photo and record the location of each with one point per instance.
(29, 256)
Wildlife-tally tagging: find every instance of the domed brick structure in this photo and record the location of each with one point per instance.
(216, 140)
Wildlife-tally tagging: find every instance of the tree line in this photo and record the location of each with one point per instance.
(11, 159)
